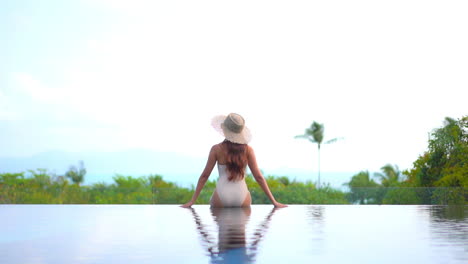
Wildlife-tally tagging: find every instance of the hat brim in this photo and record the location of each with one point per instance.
(243, 137)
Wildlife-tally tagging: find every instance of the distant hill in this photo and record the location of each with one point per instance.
(102, 166)
(182, 169)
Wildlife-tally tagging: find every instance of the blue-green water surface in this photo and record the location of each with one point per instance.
(261, 234)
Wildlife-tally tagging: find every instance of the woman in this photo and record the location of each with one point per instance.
(232, 155)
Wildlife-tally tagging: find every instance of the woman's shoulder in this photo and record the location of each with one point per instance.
(250, 152)
(249, 148)
(217, 151)
(217, 147)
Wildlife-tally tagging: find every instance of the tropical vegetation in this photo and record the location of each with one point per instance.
(41, 186)
(438, 176)
(315, 134)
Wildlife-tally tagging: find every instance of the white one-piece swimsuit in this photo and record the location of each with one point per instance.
(231, 193)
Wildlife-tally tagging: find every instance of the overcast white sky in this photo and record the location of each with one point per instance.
(112, 75)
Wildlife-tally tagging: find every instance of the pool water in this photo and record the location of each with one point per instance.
(261, 234)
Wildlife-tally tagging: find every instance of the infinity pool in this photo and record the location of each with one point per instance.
(32, 234)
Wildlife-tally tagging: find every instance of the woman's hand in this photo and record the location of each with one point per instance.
(187, 205)
(279, 205)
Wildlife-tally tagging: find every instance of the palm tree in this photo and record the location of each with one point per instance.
(75, 174)
(390, 176)
(315, 135)
(363, 188)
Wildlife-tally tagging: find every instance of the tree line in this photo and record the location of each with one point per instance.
(43, 187)
(438, 176)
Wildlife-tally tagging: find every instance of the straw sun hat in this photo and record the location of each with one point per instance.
(232, 127)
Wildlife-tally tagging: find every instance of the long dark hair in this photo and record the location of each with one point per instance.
(236, 159)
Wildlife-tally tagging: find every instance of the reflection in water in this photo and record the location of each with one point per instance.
(457, 213)
(316, 212)
(231, 245)
(449, 227)
(315, 217)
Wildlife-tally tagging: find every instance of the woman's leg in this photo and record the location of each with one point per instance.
(215, 201)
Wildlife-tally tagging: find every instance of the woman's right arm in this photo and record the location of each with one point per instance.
(252, 161)
(211, 162)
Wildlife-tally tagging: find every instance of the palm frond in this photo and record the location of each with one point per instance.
(308, 137)
(380, 176)
(333, 140)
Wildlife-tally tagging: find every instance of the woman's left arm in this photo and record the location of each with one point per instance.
(203, 177)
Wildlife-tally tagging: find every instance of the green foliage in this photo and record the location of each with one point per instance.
(315, 134)
(363, 189)
(41, 186)
(401, 195)
(390, 175)
(450, 196)
(76, 174)
(445, 163)
(294, 192)
(439, 176)
(12, 178)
